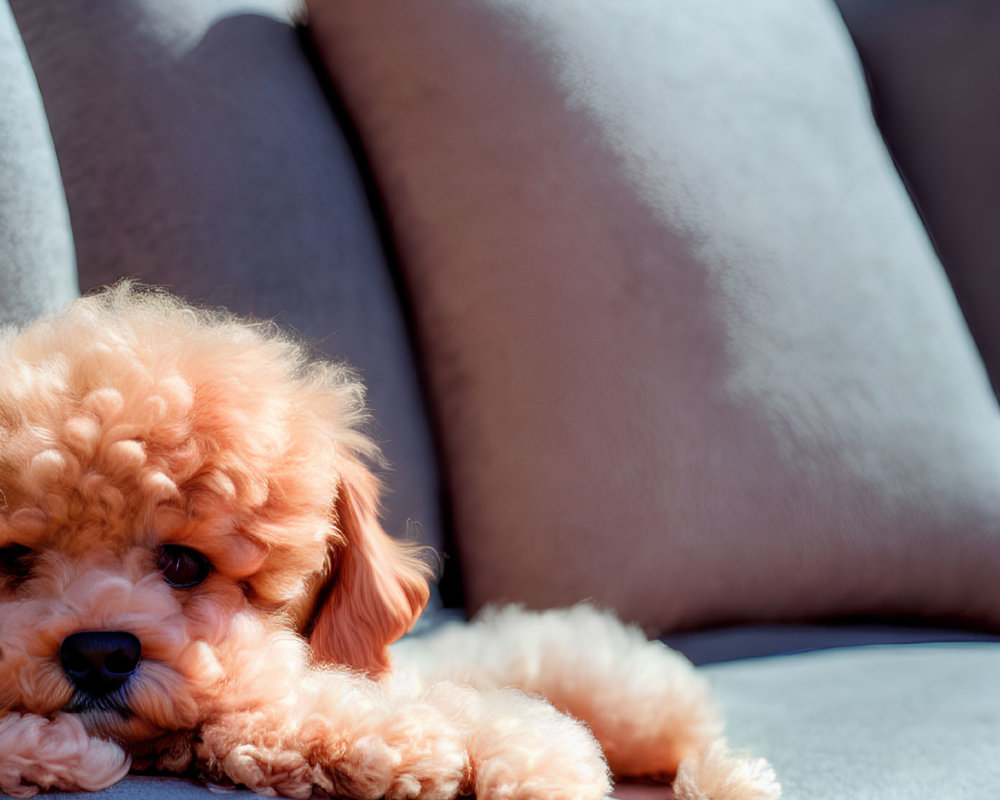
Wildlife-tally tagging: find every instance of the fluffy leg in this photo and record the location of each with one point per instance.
(354, 738)
(720, 773)
(644, 702)
(341, 733)
(521, 748)
(40, 754)
(647, 706)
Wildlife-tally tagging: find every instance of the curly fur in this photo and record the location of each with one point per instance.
(130, 421)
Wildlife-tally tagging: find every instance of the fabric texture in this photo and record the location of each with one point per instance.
(199, 152)
(156, 788)
(692, 353)
(36, 246)
(893, 722)
(887, 723)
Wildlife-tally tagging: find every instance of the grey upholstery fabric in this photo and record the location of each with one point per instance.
(681, 323)
(155, 788)
(882, 723)
(868, 723)
(36, 251)
(198, 133)
(198, 151)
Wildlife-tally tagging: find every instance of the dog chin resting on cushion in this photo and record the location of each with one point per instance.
(193, 581)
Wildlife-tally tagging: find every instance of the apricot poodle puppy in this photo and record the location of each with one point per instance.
(193, 580)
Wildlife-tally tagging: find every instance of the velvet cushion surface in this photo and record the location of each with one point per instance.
(156, 788)
(892, 723)
(199, 151)
(690, 350)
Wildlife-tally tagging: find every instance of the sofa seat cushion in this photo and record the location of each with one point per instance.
(156, 788)
(888, 723)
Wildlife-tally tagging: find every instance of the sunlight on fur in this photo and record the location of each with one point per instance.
(193, 579)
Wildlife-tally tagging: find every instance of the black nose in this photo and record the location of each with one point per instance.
(98, 662)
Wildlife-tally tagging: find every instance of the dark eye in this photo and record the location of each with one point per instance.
(15, 561)
(181, 566)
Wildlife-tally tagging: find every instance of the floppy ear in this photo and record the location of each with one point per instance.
(378, 585)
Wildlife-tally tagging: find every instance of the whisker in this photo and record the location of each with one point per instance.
(115, 703)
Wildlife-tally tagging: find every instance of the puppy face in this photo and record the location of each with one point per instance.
(180, 490)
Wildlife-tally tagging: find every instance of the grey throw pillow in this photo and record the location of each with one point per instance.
(691, 351)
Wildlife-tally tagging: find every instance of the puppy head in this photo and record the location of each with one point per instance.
(177, 490)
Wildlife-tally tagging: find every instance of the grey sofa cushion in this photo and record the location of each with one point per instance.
(137, 787)
(880, 723)
(198, 151)
(37, 273)
(868, 723)
(681, 321)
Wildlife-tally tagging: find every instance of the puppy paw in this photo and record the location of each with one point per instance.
(399, 757)
(720, 774)
(424, 764)
(40, 754)
(523, 749)
(235, 749)
(581, 785)
(405, 748)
